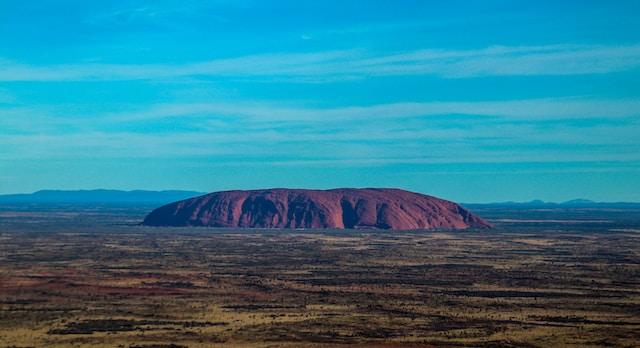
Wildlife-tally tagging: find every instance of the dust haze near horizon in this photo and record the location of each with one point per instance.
(469, 101)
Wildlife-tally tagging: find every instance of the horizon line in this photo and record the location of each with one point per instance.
(529, 201)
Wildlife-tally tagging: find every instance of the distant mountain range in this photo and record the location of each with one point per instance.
(169, 196)
(99, 196)
(574, 203)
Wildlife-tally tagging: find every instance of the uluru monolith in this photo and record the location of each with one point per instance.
(345, 208)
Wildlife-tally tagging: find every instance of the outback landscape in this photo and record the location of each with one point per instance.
(315, 174)
(92, 276)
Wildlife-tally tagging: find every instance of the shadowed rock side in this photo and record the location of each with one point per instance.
(295, 208)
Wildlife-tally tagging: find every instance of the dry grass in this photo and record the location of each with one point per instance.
(131, 286)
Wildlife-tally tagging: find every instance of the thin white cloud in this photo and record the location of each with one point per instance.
(552, 108)
(373, 140)
(370, 148)
(295, 64)
(513, 130)
(266, 116)
(330, 66)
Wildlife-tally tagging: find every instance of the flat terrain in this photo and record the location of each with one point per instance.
(90, 277)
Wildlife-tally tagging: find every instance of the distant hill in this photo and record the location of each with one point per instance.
(99, 196)
(574, 203)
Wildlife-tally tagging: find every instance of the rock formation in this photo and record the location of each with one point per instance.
(336, 209)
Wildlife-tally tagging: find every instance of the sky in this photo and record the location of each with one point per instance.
(474, 101)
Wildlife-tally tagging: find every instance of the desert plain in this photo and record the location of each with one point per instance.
(78, 276)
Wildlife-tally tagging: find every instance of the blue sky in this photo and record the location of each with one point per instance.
(473, 101)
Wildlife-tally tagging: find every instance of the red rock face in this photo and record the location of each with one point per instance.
(339, 208)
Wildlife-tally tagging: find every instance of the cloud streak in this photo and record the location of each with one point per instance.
(416, 147)
(244, 115)
(359, 134)
(550, 108)
(329, 66)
